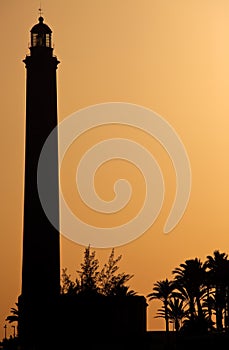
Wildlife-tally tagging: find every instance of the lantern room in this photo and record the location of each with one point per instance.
(41, 35)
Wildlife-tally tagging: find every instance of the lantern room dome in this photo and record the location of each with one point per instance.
(41, 27)
(41, 35)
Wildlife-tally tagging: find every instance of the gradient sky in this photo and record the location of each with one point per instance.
(169, 56)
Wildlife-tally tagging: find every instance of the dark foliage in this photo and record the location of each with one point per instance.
(90, 281)
(196, 301)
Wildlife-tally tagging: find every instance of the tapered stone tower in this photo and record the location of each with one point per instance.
(41, 261)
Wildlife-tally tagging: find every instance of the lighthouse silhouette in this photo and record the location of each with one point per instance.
(41, 259)
(48, 319)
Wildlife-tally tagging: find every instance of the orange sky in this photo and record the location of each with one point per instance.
(169, 56)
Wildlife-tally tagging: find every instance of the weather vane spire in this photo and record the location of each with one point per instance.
(40, 10)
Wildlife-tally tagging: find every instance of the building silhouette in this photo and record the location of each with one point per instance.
(41, 261)
(47, 319)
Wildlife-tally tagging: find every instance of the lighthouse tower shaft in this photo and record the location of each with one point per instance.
(41, 261)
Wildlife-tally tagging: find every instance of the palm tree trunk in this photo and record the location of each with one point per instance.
(209, 305)
(227, 308)
(177, 325)
(199, 307)
(166, 317)
(192, 309)
(219, 310)
(219, 319)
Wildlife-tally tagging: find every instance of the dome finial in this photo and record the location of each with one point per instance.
(41, 18)
(40, 11)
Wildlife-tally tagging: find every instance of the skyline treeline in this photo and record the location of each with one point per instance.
(196, 300)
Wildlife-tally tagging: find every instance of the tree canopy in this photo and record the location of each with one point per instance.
(91, 281)
(197, 299)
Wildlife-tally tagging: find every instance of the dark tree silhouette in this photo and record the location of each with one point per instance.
(176, 310)
(14, 316)
(208, 305)
(67, 286)
(162, 290)
(91, 281)
(198, 296)
(218, 276)
(111, 283)
(190, 281)
(87, 282)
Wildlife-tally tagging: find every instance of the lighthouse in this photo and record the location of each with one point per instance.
(49, 319)
(41, 253)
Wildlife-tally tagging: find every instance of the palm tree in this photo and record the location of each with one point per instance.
(189, 280)
(208, 305)
(218, 270)
(226, 280)
(208, 300)
(162, 290)
(15, 315)
(176, 311)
